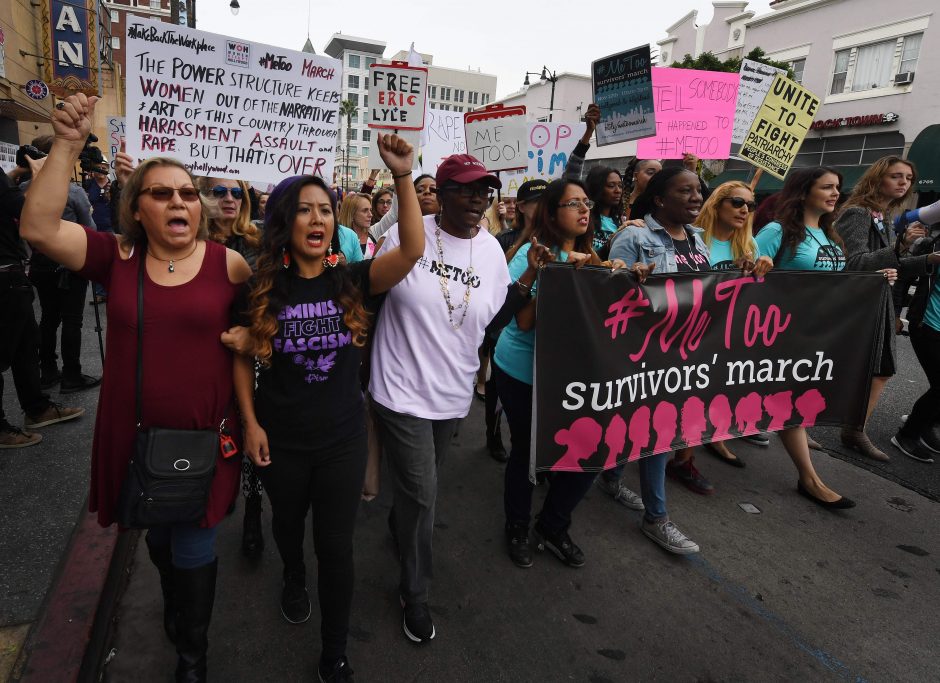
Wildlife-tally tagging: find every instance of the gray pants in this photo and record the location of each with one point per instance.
(415, 448)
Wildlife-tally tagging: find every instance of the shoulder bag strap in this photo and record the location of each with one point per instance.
(140, 335)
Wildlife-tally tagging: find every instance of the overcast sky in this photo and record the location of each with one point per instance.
(500, 37)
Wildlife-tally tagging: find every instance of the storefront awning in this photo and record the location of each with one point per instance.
(768, 184)
(925, 153)
(11, 109)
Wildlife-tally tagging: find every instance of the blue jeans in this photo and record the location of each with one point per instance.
(191, 546)
(652, 484)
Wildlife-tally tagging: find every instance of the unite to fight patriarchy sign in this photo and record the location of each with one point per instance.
(624, 371)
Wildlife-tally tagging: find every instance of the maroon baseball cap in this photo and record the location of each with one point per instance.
(464, 169)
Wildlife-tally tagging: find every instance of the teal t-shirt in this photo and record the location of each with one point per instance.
(932, 312)
(515, 349)
(815, 252)
(608, 228)
(721, 257)
(349, 244)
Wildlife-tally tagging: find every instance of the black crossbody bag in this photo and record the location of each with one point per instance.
(170, 473)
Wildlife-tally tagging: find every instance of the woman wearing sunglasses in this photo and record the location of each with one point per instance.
(189, 285)
(230, 216)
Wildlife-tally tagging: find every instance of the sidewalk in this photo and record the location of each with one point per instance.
(793, 593)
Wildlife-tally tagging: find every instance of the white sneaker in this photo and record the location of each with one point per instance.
(667, 535)
(620, 493)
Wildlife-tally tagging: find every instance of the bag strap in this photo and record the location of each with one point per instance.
(140, 336)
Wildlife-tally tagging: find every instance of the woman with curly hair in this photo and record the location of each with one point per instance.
(305, 428)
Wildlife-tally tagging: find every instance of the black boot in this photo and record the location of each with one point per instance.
(252, 537)
(195, 591)
(160, 556)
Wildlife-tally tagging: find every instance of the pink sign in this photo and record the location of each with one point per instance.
(694, 114)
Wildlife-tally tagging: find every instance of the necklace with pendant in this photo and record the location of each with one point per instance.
(445, 289)
(172, 261)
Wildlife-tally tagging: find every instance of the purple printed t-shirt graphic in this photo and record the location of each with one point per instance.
(311, 333)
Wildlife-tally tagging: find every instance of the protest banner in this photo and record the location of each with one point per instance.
(550, 145)
(116, 135)
(624, 371)
(397, 96)
(498, 137)
(623, 89)
(229, 107)
(781, 123)
(755, 82)
(445, 136)
(8, 156)
(694, 114)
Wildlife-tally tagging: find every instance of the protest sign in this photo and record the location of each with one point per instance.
(623, 89)
(755, 82)
(694, 114)
(550, 145)
(116, 135)
(624, 371)
(445, 136)
(781, 123)
(498, 137)
(397, 94)
(7, 156)
(228, 107)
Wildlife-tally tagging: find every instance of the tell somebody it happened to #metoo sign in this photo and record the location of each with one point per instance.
(694, 114)
(228, 107)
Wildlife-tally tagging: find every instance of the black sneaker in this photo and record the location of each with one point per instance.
(417, 622)
(338, 673)
(295, 603)
(911, 447)
(560, 544)
(517, 541)
(70, 385)
(497, 451)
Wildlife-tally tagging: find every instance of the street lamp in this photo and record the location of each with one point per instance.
(551, 77)
(234, 6)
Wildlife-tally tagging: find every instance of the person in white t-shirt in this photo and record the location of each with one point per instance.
(424, 358)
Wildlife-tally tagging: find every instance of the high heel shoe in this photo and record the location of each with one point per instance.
(842, 503)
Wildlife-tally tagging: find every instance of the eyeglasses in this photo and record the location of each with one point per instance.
(576, 204)
(384, 202)
(165, 194)
(471, 191)
(738, 202)
(220, 191)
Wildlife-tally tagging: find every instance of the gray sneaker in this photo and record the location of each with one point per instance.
(616, 490)
(667, 535)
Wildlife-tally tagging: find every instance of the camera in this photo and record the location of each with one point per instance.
(27, 151)
(91, 158)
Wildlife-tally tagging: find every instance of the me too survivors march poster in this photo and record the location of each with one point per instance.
(624, 371)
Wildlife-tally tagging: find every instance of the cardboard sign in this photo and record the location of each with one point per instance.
(694, 114)
(550, 145)
(623, 89)
(444, 131)
(781, 123)
(227, 107)
(116, 136)
(8, 156)
(498, 137)
(755, 82)
(397, 95)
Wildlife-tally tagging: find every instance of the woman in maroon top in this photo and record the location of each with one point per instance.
(189, 286)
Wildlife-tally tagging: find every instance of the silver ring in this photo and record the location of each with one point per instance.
(60, 106)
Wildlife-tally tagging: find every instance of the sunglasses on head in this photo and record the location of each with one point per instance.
(220, 191)
(165, 194)
(738, 202)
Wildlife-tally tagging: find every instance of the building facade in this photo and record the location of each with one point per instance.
(875, 67)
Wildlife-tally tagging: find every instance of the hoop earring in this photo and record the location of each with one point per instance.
(285, 258)
(331, 259)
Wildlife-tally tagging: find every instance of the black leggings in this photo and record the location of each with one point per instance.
(328, 481)
(926, 411)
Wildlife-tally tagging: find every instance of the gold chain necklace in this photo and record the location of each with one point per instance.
(445, 289)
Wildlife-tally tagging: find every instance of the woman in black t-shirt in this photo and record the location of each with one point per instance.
(305, 423)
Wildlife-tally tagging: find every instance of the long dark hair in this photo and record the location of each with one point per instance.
(271, 285)
(656, 187)
(790, 204)
(594, 185)
(545, 220)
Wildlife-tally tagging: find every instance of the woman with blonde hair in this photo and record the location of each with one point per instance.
(864, 225)
(355, 213)
(230, 216)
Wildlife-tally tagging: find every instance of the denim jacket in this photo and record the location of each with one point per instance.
(653, 244)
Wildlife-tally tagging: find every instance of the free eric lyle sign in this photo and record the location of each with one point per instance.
(397, 93)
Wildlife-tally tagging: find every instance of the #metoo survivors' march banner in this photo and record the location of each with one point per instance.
(624, 371)
(228, 107)
(694, 114)
(779, 127)
(623, 89)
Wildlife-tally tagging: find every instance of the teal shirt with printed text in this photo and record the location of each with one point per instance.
(815, 252)
(721, 257)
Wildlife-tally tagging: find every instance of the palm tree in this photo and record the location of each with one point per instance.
(347, 108)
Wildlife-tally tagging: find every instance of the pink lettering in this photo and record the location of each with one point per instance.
(691, 330)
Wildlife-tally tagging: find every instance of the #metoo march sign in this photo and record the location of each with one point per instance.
(623, 89)
(397, 93)
(755, 82)
(498, 137)
(229, 107)
(694, 114)
(623, 371)
(781, 123)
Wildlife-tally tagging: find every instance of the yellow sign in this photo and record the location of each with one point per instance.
(781, 123)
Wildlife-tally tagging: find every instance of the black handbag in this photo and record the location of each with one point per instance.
(170, 473)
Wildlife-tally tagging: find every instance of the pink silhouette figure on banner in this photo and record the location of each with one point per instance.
(664, 422)
(615, 438)
(582, 439)
(748, 412)
(693, 420)
(810, 404)
(639, 432)
(720, 415)
(780, 408)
